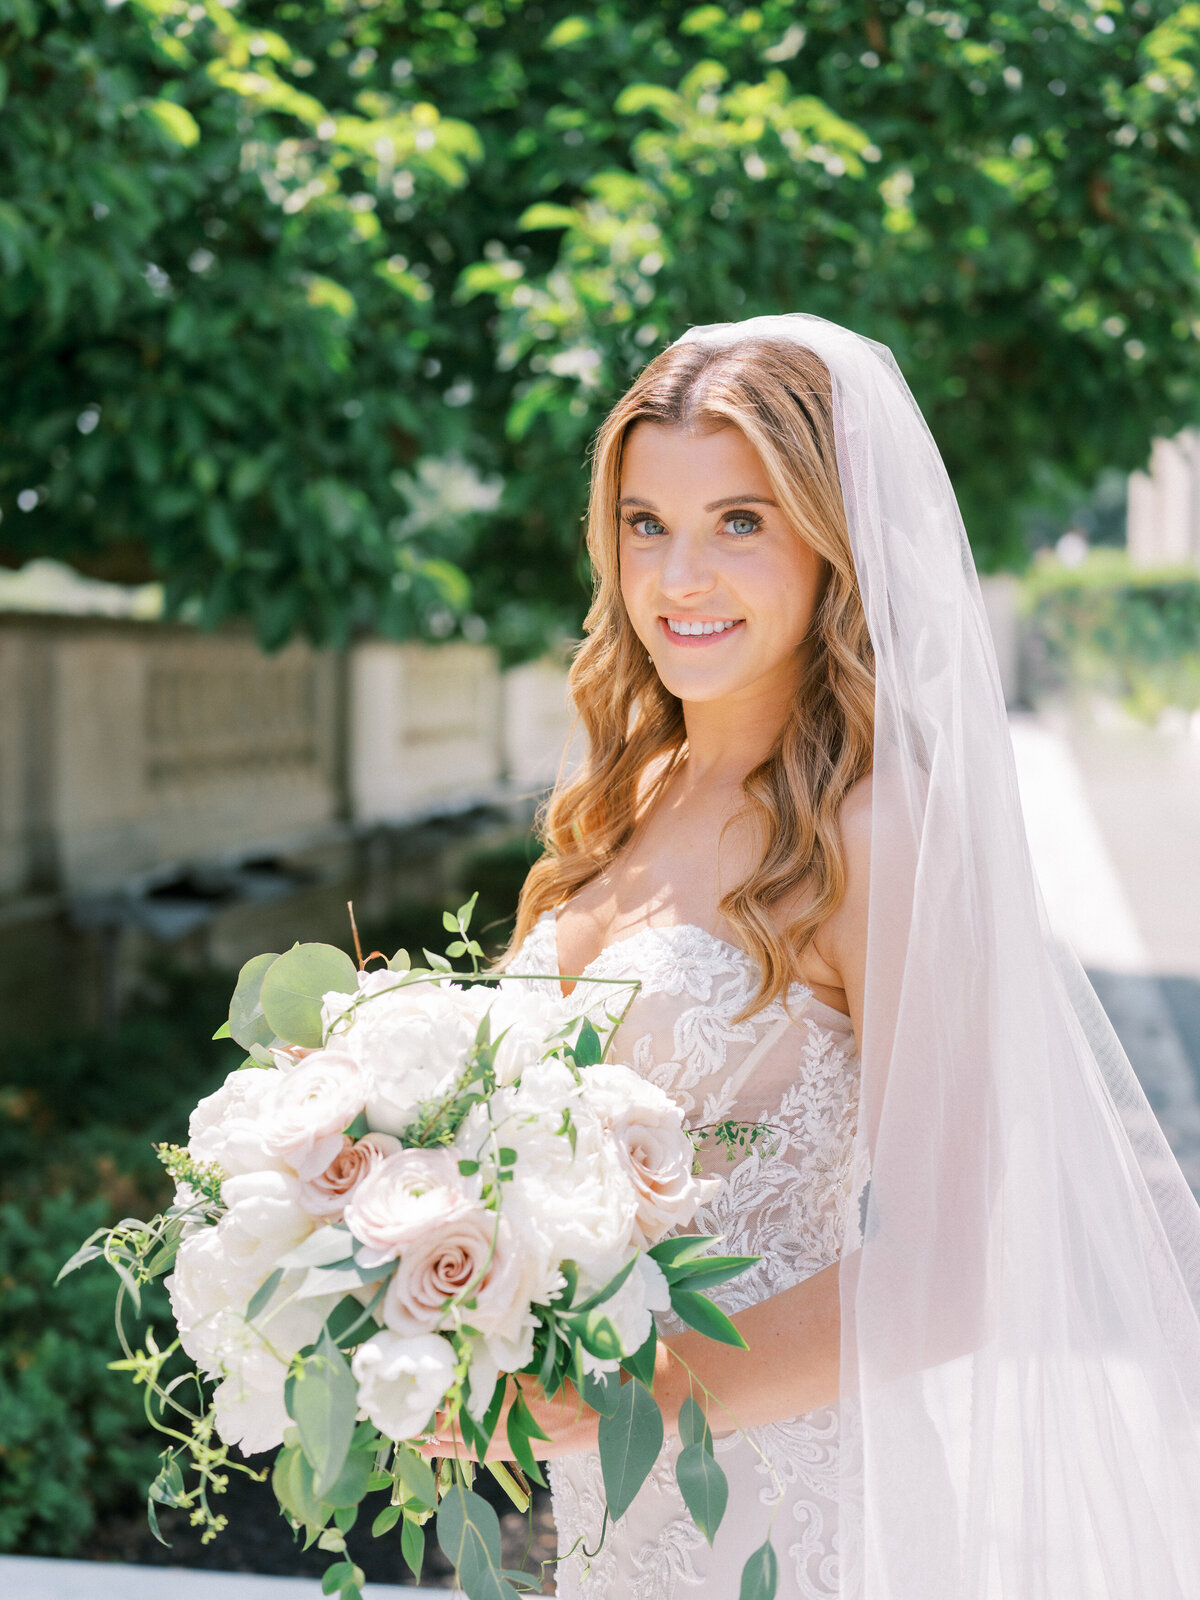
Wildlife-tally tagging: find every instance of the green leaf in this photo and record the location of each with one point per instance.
(760, 1575)
(602, 1391)
(468, 1531)
(544, 214)
(609, 1289)
(340, 1573)
(704, 1488)
(449, 922)
(629, 1444)
(588, 1049)
(174, 122)
(412, 1546)
(416, 1477)
(246, 1022)
(292, 1481)
(641, 1362)
(294, 985)
(597, 1334)
(262, 1295)
(521, 1428)
(223, 1031)
(322, 1399)
(700, 1313)
(679, 1248)
(708, 1273)
(693, 1425)
(386, 1521)
(353, 1480)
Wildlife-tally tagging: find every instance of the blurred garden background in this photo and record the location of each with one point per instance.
(310, 309)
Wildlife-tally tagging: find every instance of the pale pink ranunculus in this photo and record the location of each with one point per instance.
(308, 1110)
(327, 1195)
(470, 1253)
(408, 1195)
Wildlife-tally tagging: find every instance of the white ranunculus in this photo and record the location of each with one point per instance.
(630, 1310)
(309, 1109)
(401, 1381)
(412, 1040)
(226, 1127)
(648, 1134)
(408, 1196)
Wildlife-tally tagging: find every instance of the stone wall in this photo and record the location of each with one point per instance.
(1163, 516)
(128, 750)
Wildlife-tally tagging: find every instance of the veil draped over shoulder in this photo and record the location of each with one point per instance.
(1020, 1280)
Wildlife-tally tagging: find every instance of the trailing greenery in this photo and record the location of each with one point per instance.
(266, 266)
(79, 1117)
(1111, 627)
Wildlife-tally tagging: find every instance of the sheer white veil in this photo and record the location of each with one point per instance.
(1020, 1281)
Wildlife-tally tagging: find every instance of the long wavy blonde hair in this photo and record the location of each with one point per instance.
(780, 395)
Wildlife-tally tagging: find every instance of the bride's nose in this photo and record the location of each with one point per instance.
(687, 567)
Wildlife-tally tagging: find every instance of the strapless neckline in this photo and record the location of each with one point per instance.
(797, 992)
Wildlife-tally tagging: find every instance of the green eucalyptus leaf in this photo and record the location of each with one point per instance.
(247, 1024)
(629, 1444)
(707, 1273)
(261, 1297)
(693, 1425)
(588, 1049)
(760, 1575)
(679, 1248)
(521, 1428)
(468, 1531)
(294, 984)
(609, 1289)
(601, 1391)
(704, 1488)
(322, 1398)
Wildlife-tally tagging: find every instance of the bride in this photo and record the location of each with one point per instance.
(973, 1343)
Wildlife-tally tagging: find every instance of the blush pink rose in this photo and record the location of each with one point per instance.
(327, 1195)
(470, 1254)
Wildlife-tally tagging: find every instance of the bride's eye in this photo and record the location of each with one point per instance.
(635, 521)
(750, 519)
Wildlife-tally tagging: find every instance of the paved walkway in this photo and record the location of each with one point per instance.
(30, 1578)
(1113, 816)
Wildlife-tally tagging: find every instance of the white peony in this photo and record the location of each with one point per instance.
(647, 1131)
(411, 1040)
(401, 1381)
(563, 1204)
(309, 1109)
(524, 1021)
(226, 1127)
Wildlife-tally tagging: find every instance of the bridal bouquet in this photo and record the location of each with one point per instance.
(420, 1183)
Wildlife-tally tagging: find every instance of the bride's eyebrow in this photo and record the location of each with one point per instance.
(715, 505)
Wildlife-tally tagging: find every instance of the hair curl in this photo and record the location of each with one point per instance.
(780, 395)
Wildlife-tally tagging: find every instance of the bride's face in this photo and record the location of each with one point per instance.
(719, 586)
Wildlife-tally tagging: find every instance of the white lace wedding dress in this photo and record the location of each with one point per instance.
(796, 1068)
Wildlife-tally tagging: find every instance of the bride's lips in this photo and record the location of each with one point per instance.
(693, 640)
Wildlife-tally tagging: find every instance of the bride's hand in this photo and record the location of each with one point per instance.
(570, 1424)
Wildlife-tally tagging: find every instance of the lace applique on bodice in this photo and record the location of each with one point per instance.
(795, 1067)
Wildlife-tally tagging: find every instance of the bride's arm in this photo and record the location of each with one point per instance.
(794, 1338)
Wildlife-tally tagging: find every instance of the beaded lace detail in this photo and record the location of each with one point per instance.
(793, 1065)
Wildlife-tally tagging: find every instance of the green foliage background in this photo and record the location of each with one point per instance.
(261, 260)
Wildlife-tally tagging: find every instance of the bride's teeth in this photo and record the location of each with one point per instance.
(690, 628)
